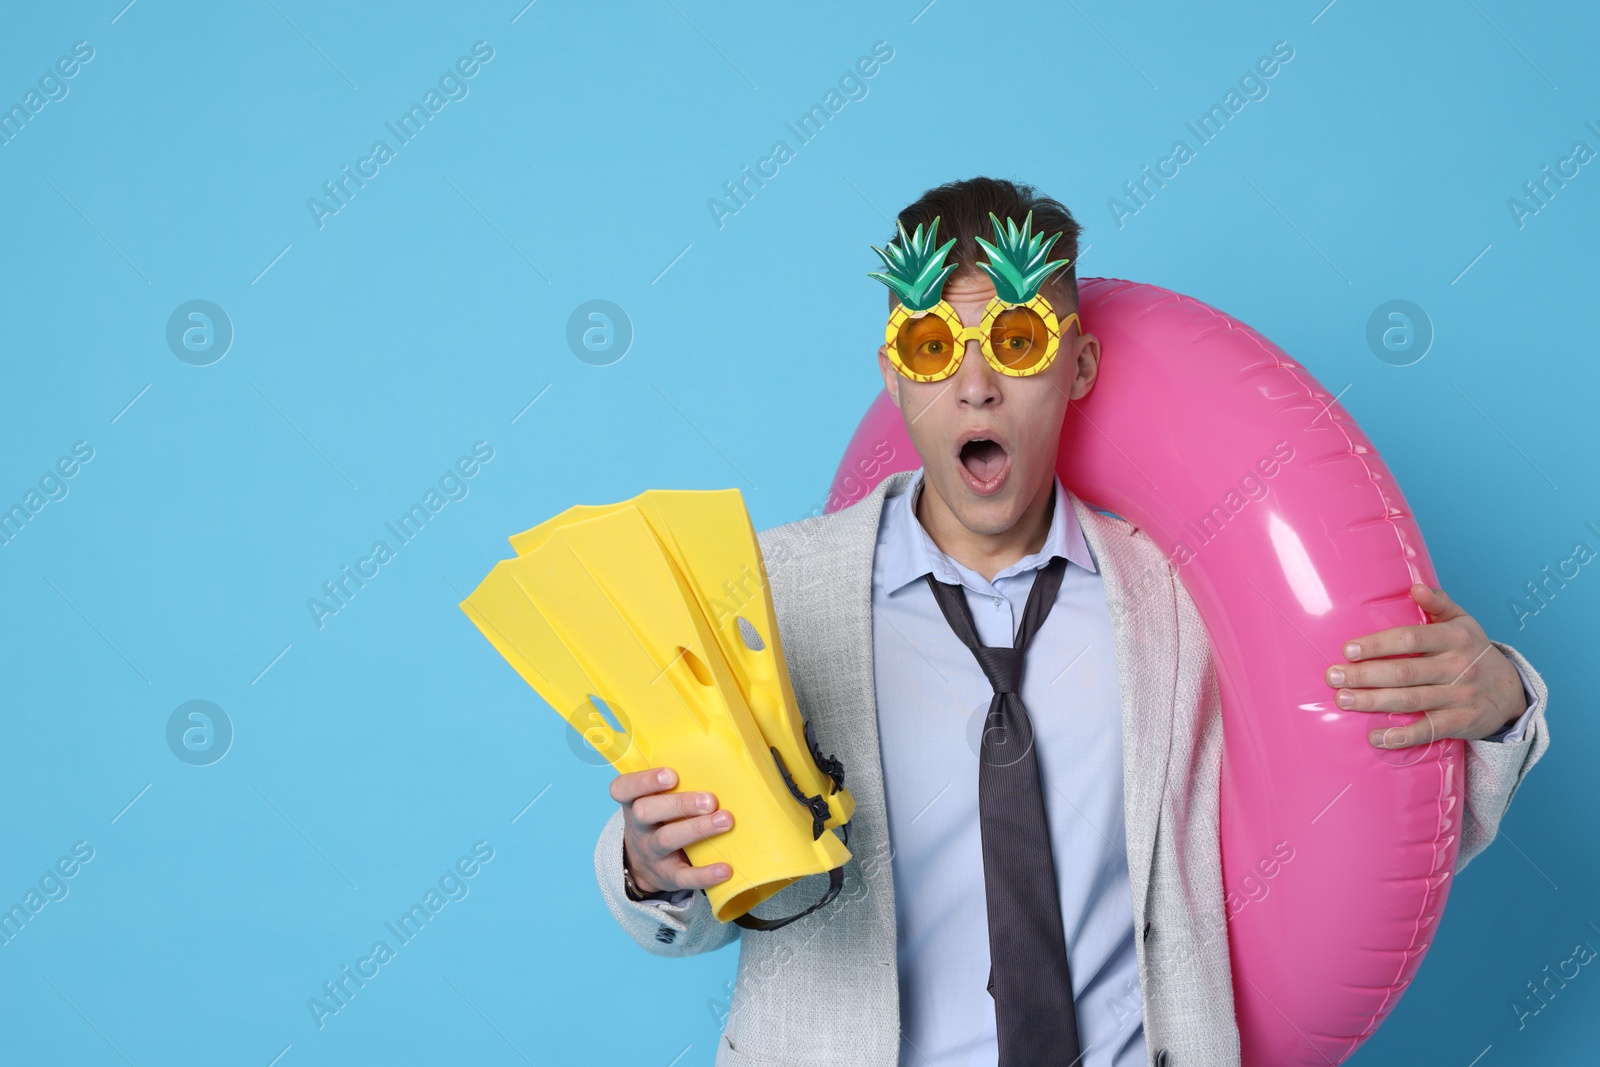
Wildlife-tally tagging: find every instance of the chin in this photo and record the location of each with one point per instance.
(989, 516)
(982, 514)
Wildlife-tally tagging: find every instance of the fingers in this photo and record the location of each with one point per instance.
(1402, 641)
(661, 824)
(1449, 627)
(1466, 705)
(1433, 726)
(1411, 698)
(626, 788)
(1420, 732)
(681, 874)
(665, 807)
(1451, 667)
(1411, 671)
(672, 836)
(664, 863)
(1433, 668)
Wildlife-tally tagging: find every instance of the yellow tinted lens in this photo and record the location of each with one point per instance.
(1019, 338)
(925, 344)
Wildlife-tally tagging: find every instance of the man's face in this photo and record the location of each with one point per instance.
(988, 440)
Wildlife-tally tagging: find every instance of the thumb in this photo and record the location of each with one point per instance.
(1436, 602)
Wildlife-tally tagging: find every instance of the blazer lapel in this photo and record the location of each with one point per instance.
(1144, 623)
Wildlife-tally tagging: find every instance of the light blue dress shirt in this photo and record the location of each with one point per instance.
(932, 698)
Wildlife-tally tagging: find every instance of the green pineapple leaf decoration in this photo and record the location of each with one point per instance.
(1017, 259)
(916, 269)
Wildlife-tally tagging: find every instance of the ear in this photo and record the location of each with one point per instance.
(891, 377)
(1086, 347)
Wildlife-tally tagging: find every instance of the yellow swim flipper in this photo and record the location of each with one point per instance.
(599, 607)
(710, 535)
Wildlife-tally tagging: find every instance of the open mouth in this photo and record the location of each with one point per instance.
(984, 464)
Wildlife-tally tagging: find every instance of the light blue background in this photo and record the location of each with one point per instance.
(430, 311)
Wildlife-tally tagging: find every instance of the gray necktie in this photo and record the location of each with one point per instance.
(1028, 977)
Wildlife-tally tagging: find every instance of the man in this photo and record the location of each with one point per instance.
(902, 966)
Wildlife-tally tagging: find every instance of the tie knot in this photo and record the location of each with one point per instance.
(1002, 666)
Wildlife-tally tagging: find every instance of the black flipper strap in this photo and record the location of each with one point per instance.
(829, 765)
(835, 882)
(818, 806)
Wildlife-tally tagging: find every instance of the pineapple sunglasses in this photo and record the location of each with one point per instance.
(1019, 334)
(1015, 339)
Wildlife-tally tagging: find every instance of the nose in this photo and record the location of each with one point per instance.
(976, 383)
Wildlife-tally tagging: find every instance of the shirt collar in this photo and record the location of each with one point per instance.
(912, 553)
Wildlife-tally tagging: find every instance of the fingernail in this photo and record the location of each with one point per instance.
(1346, 699)
(1394, 738)
(1335, 676)
(1352, 650)
(703, 801)
(1376, 738)
(666, 777)
(721, 818)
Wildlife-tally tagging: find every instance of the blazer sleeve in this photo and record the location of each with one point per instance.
(660, 928)
(1493, 770)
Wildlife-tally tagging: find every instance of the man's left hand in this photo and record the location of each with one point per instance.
(1464, 685)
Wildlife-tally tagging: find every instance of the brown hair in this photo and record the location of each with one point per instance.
(963, 208)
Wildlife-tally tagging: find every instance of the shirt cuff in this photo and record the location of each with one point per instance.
(1513, 734)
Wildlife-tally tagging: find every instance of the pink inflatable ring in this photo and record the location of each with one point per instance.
(1291, 537)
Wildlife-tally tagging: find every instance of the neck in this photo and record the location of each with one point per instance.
(986, 554)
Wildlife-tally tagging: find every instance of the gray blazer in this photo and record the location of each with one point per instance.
(824, 990)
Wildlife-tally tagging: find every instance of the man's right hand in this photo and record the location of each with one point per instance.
(657, 825)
